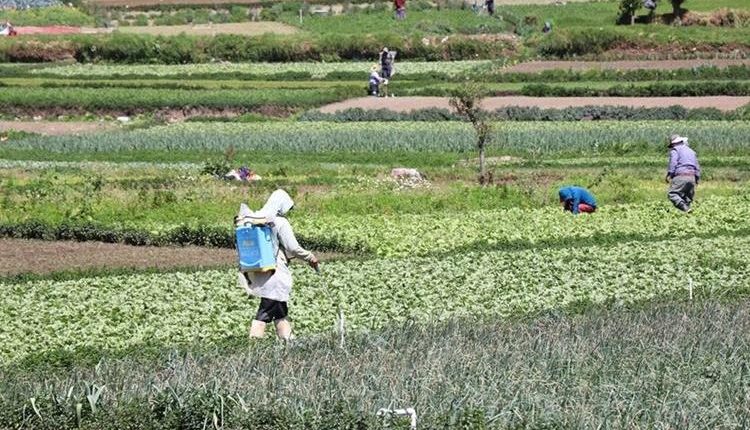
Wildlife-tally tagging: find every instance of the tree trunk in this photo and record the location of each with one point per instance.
(481, 161)
(632, 19)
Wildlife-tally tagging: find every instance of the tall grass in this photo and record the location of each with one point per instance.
(526, 138)
(663, 366)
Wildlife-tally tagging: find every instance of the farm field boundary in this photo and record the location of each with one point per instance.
(142, 3)
(406, 104)
(541, 66)
(244, 28)
(44, 257)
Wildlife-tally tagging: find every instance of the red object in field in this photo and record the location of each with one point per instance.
(583, 207)
(52, 29)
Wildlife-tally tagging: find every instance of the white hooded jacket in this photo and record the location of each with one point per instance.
(276, 285)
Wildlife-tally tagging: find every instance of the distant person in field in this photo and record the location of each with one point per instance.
(274, 287)
(683, 173)
(577, 200)
(400, 7)
(375, 81)
(490, 4)
(386, 64)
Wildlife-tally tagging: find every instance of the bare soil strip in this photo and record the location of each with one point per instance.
(243, 28)
(406, 104)
(41, 257)
(540, 66)
(52, 128)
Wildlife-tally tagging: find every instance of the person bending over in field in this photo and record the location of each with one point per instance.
(274, 287)
(375, 81)
(577, 200)
(683, 173)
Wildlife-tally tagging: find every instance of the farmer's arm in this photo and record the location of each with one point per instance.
(575, 201)
(673, 158)
(290, 244)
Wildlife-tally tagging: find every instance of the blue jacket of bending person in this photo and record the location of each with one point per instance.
(573, 196)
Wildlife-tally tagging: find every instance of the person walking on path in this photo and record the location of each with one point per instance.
(577, 200)
(490, 4)
(683, 173)
(274, 287)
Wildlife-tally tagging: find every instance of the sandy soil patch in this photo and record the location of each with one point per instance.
(243, 28)
(52, 128)
(40, 257)
(406, 104)
(20, 256)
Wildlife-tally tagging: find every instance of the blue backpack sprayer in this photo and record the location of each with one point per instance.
(254, 238)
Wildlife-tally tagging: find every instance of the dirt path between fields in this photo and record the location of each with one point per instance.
(41, 257)
(540, 66)
(243, 28)
(405, 104)
(19, 256)
(55, 128)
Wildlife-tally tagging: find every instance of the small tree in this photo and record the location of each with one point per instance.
(467, 101)
(628, 9)
(677, 10)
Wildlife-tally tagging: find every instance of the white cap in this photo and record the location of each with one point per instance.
(676, 138)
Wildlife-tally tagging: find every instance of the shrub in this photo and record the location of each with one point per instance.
(628, 9)
(56, 15)
(568, 43)
(139, 48)
(141, 20)
(33, 51)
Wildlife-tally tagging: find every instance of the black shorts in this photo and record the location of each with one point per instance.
(271, 310)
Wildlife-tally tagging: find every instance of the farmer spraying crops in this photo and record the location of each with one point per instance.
(272, 286)
(683, 173)
(577, 200)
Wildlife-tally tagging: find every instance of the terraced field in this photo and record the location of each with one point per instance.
(476, 300)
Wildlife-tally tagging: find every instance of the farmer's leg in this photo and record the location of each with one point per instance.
(283, 329)
(689, 193)
(278, 312)
(584, 208)
(257, 329)
(264, 316)
(677, 193)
